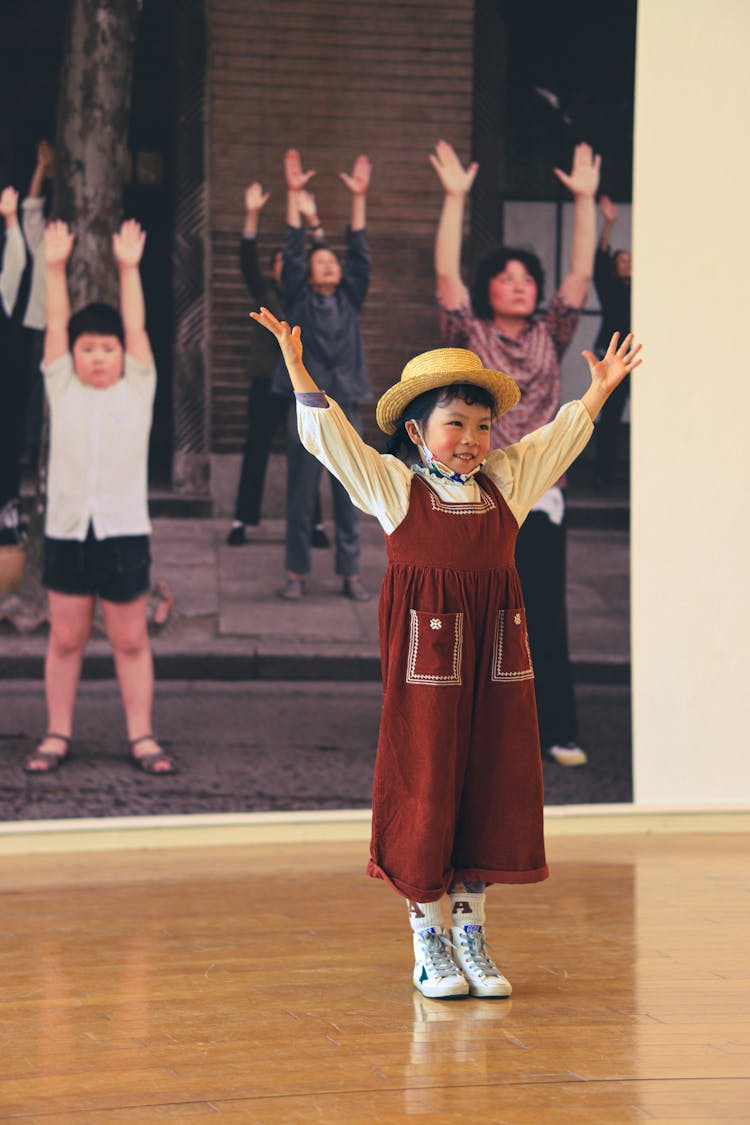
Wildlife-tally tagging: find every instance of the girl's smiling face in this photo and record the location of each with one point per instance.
(457, 433)
(97, 359)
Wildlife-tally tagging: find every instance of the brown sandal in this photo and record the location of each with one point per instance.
(149, 763)
(46, 761)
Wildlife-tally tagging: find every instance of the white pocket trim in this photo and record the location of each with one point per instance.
(498, 675)
(454, 676)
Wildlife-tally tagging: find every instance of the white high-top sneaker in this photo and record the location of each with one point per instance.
(483, 976)
(435, 972)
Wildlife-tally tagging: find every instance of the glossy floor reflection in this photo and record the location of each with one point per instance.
(273, 984)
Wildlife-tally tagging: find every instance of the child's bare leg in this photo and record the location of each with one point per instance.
(70, 626)
(127, 631)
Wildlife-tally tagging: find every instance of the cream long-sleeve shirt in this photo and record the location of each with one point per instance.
(32, 220)
(13, 265)
(379, 484)
(98, 458)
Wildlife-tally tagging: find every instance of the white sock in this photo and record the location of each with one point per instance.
(422, 915)
(237, 523)
(467, 909)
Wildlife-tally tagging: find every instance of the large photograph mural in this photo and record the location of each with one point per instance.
(406, 145)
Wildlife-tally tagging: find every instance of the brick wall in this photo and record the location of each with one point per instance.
(333, 78)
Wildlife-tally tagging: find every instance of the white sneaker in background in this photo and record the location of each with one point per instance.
(481, 972)
(570, 754)
(436, 974)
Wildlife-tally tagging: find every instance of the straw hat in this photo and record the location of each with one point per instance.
(440, 368)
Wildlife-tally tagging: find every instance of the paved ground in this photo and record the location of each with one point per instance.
(255, 746)
(270, 704)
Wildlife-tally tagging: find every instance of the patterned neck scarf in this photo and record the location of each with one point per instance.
(439, 469)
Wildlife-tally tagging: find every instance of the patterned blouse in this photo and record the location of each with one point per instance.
(532, 358)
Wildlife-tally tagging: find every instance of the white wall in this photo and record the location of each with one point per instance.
(691, 404)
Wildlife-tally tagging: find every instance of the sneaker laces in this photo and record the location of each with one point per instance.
(477, 947)
(437, 956)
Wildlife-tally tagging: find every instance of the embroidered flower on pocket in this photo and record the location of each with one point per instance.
(435, 623)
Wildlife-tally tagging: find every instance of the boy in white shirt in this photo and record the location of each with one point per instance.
(100, 381)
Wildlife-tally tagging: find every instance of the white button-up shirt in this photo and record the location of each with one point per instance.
(98, 458)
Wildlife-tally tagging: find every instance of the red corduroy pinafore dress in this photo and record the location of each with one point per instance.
(458, 777)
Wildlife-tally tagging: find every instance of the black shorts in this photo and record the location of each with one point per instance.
(117, 569)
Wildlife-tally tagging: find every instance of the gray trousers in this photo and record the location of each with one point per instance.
(302, 482)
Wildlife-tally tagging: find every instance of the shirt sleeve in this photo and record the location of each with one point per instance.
(378, 484)
(602, 274)
(455, 324)
(140, 376)
(57, 374)
(13, 265)
(295, 268)
(561, 321)
(32, 221)
(525, 470)
(356, 268)
(254, 280)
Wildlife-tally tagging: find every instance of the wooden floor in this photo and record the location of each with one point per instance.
(274, 984)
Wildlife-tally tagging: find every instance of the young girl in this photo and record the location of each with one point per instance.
(100, 381)
(457, 801)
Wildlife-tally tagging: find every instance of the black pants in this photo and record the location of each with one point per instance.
(15, 367)
(303, 489)
(607, 433)
(266, 413)
(540, 559)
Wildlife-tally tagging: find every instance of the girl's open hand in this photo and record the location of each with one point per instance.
(58, 243)
(456, 179)
(609, 372)
(290, 339)
(128, 243)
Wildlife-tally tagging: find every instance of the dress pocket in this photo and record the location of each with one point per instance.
(435, 647)
(511, 655)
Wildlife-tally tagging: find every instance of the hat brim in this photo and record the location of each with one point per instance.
(394, 402)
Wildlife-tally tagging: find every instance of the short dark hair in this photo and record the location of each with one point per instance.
(495, 263)
(421, 407)
(97, 318)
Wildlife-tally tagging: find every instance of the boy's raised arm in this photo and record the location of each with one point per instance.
(58, 244)
(128, 246)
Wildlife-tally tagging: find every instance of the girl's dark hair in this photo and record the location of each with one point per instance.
(494, 264)
(420, 409)
(97, 318)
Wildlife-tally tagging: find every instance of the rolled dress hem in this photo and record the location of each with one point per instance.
(471, 874)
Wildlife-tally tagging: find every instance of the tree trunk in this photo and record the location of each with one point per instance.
(91, 142)
(190, 463)
(90, 146)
